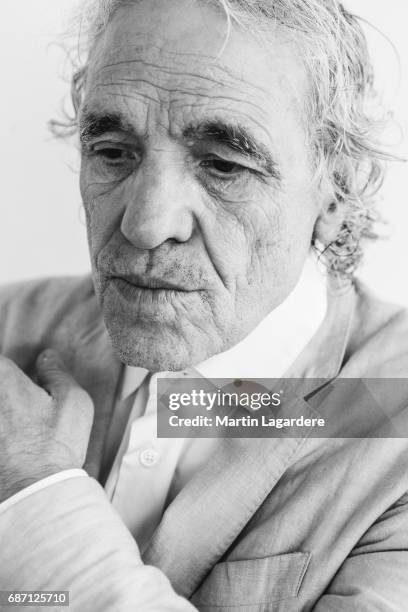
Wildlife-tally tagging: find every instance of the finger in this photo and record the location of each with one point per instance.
(55, 378)
(53, 375)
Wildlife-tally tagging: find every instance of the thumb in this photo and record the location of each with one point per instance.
(54, 377)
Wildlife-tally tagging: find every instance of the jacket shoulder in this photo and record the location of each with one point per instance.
(36, 298)
(32, 312)
(52, 285)
(379, 338)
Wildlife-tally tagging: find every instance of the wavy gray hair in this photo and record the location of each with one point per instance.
(343, 135)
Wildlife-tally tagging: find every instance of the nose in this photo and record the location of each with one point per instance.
(158, 208)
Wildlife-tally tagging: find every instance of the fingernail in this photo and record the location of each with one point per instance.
(47, 355)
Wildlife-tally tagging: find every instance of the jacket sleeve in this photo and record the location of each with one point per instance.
(68, 537)
(375, 575)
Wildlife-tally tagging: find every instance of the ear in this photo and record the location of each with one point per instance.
(329, 222)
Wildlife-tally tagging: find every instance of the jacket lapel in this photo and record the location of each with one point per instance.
(95, 367)
(210, 512)
(100, 379)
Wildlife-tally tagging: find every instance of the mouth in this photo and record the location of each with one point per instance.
(132, 285)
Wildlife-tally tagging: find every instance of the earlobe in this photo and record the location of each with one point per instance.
(329, 223)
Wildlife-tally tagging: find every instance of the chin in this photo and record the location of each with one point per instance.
(159, 334)
(158, 350)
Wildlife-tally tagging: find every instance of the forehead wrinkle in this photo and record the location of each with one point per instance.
(195, 75)
(155, 57)
(191, 87)
(237, 89)
(135, 95)
(137, 81)
(154, 51)
(179, 102)
(193, 92)
(151, 47)
(165, 70)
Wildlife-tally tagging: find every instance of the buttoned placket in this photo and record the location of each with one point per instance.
(145, 466)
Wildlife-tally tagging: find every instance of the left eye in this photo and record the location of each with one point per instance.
(114, 154)
(222, 166)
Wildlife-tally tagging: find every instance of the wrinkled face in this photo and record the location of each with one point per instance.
(196, 179)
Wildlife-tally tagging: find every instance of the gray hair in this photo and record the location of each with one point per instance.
(343, 135)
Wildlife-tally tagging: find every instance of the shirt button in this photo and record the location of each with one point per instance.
(149, 457)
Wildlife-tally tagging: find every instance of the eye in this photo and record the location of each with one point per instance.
(111, 160)
(115, 154)
(222, 166)
(111, 153)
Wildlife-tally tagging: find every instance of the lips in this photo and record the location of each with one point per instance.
(150, 283)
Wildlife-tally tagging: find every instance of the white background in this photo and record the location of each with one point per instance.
(41, 222)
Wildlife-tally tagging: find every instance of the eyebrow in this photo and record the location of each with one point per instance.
(238, 139)
(92, 125)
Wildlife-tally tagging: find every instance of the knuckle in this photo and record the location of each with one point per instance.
(50, 368)
(11, 376)
(79, 399)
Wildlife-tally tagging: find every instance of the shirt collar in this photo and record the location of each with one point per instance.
(132, 378)
(269, 350)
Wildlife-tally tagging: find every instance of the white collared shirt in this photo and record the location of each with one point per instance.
(147, 472)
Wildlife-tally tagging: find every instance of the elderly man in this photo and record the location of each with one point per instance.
(222, 142)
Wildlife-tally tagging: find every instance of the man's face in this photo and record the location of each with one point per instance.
(196, 179)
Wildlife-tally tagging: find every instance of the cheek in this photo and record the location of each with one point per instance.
(285, 252)
(102, 209)
(226, 233)
(261, 225)
(278, 232)
(245, 242)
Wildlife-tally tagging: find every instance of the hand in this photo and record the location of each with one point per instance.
(43, 430)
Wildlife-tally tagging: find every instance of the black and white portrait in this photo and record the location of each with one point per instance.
(203, 306)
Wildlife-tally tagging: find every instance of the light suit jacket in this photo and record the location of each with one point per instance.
(267, 525)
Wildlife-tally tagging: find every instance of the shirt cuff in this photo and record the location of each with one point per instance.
(40, 484)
